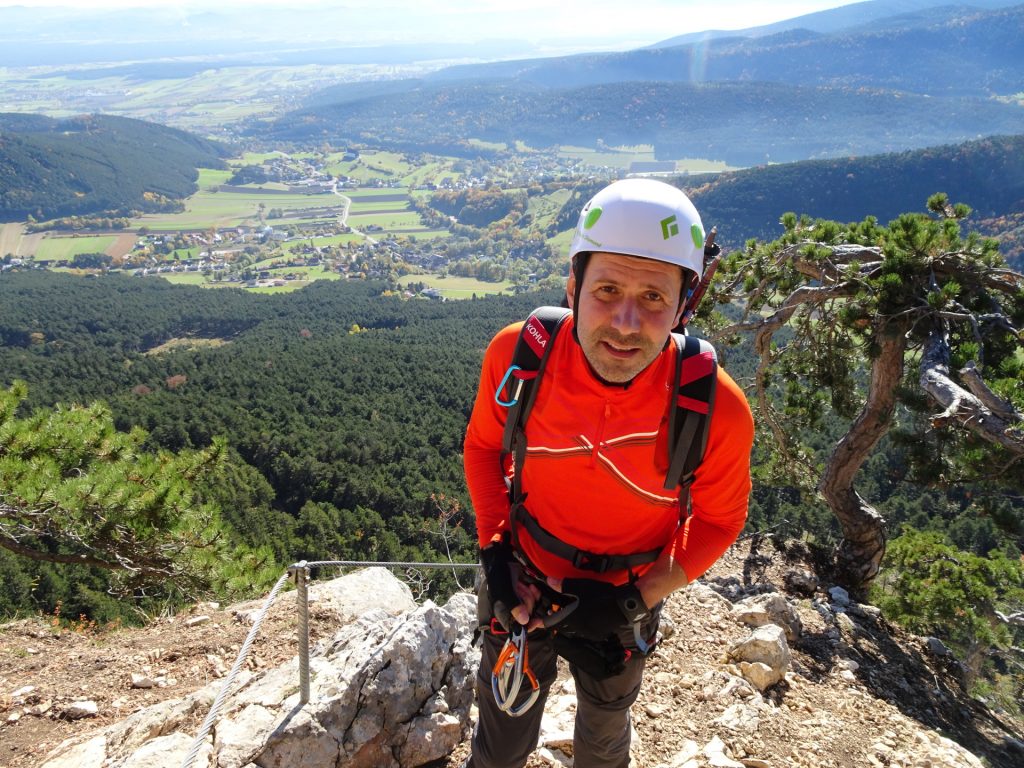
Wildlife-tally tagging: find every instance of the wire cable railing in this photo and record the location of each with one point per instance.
(300, 573)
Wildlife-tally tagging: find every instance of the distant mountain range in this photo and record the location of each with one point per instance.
(942, 50)
(892, 13)
(740, 123)
(945, 74)
(96, 164)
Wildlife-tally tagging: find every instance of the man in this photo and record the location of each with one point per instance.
(591, 486)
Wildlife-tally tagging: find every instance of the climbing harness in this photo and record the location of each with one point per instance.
(512, 666)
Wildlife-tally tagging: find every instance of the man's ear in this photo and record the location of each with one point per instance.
(570, 289)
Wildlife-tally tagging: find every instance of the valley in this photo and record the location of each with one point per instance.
(275, 265)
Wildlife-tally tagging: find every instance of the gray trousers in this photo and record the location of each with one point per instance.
(602, 733)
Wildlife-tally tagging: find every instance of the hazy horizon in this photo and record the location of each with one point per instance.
(591, 25)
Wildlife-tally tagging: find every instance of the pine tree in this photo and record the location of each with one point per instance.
(75, 490)
(935, 315)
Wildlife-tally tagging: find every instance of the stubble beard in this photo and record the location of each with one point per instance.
(612, 369)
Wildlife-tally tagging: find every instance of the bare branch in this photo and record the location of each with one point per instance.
(960, 405)
(842, 255)
(15, 546)
(1000, 407)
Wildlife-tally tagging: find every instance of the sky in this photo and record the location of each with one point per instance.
(537, 20)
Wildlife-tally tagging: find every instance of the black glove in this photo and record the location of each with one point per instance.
(497, 559)
(602, 609)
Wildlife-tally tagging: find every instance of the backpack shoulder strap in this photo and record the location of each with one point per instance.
(690, 412)
(519, 386)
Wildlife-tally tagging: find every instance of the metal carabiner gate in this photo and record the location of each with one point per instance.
(512, 666)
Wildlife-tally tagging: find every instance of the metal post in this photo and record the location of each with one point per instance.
(301, 573)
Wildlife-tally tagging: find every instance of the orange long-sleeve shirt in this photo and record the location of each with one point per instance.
(596, 460)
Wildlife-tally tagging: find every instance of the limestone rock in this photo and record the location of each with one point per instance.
(766, 647)
(800, 582)
(392, 687)
(79, 709)
(769, 608)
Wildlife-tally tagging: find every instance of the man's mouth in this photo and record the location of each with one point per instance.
(619, 351)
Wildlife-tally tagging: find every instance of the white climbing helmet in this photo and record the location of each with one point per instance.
(645, 218)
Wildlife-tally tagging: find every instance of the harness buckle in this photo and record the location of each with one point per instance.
(588, 561)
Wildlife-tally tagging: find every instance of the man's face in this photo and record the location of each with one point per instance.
(627, 308)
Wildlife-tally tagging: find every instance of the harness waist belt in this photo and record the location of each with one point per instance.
(580, 558)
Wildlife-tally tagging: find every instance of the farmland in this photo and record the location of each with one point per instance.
(314, 215)
(66, 248)
(451, 287)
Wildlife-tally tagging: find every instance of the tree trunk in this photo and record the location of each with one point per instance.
(859, 555)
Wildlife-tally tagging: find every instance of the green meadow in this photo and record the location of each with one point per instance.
(403, 220)
(208, 208)
(321, 242)
(392, 166)
(623, 157)
(452, 287)
(66, 248)
(185, 278)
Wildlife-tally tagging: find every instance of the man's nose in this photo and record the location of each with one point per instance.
(626, 317)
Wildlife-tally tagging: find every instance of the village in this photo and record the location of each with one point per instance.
(300, 218)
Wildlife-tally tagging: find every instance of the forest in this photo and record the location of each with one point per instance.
(745, 203)
(343, 408)
(96, 163)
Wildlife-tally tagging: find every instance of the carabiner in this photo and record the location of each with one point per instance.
(501, 387)
(512, 666)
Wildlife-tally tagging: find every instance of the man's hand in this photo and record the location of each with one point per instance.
(511, 598)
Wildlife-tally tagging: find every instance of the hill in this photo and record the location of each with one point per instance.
(902, 82)
(96, 164)
(934, 51)
(747, 203)
(741, 123)
(859, 691)
(874, 12)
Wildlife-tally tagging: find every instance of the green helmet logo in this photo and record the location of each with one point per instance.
(698, 236)
(669, 227)
(592, 217)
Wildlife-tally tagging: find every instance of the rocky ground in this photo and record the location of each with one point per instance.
(859, 693)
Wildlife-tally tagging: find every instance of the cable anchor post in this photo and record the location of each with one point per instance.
(300, 572)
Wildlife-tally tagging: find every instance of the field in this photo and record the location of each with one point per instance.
(204, 101)
(66, 248)
(211, 178)
(321, 242)
(185, 278)
(457, 287)
(624, 158)
(10, 239)
(303, 277)
(211, 208)
(393, 166)
(543, 208)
